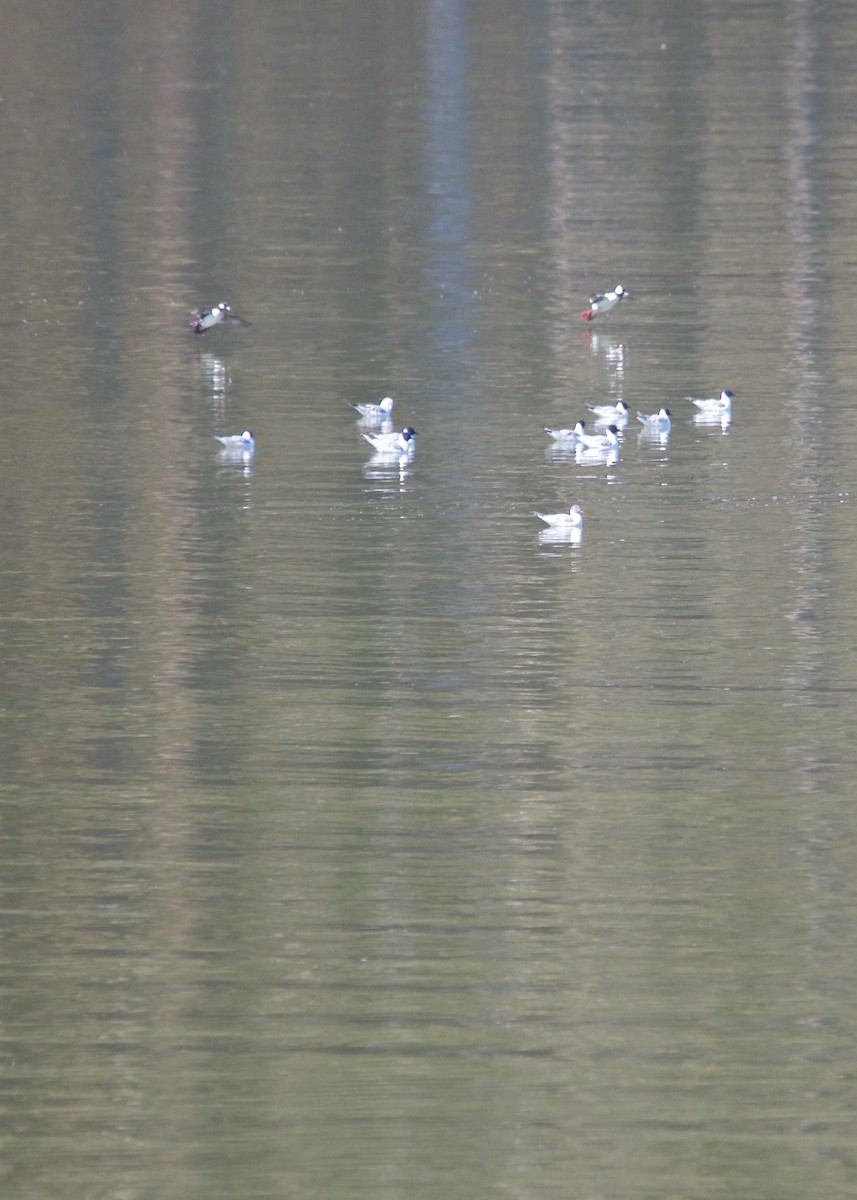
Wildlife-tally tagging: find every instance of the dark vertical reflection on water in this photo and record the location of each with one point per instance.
(804, 286)
(448, 236)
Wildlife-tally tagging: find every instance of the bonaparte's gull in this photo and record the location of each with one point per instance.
(221, 314)
(392, 443)
(617, 413)
(604, 302)
(239, 441)
(714, 406)
(573, 519)
(659, 421)
(566, 435)
(602, 442)
(377, 413)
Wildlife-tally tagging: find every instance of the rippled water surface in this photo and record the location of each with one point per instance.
(355, 839)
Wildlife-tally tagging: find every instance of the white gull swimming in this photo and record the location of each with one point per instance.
(714, 406)
(374, 414)
(659, 421)
(617, 413)
(392, 444)
(239, 441)
(601, 442)
(566, 435)
(563, 521)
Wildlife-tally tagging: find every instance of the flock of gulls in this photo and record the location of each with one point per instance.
(610, 421)
(375, 421)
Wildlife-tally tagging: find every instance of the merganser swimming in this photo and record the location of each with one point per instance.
(604, 302)
(221, 314)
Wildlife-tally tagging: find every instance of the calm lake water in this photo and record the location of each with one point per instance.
(355, 840)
